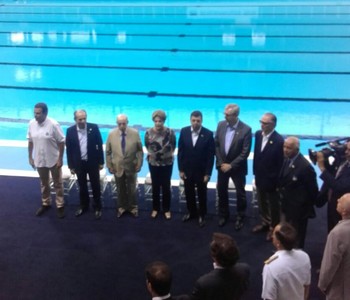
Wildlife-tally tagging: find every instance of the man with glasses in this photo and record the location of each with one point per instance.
(124, 156)
(233, 141)
(267, 163)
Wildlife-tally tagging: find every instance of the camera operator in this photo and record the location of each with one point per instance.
(335, 185)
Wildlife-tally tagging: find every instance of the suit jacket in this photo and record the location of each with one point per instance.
(239, 150)
(339, 185)
(196, 161)
(267, 163)
(132, 159)
(298, 187)
(223, 284)
(334, 277)
(94, 147)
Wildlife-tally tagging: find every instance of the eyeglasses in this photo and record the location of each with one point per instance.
(121, 123)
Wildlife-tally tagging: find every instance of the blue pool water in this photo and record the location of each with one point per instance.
(108, 57)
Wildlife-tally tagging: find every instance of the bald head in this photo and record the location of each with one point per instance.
(122, 122)
(343, 206)
(291, 147)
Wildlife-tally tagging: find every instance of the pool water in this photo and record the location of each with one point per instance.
(291, 58)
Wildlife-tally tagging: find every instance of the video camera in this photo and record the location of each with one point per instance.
(336, 150)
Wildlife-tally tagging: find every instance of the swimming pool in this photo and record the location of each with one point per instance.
(291, 58)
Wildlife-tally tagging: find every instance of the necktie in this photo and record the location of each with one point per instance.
(123, 143)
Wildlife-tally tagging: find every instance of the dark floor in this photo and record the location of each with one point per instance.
(80, 258)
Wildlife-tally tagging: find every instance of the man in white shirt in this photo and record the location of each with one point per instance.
(45, 150)
(287, 273)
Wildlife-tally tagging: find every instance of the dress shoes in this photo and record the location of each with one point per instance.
(260, 228)
(222, 222)
(239, 223)
(80, 211)
(98, 214)
(167, 215)
(186, 218)
(60, 212)
(154, 214)
(201, 222)
(42, 209)
(120, 212)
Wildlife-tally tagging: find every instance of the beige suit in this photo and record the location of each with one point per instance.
(334, 278)
(125, 166)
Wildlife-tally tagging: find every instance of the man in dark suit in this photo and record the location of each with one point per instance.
(297, 187)
(195, 158)
(233, 140)
(85, 157)
(267, 163)
(334, 185)
(229, 279)
(158, 281)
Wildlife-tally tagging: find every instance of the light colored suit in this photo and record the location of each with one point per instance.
(125, 166)
(334, 278)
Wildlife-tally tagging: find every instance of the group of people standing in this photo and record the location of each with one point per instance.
(286, 184)
(285, 181)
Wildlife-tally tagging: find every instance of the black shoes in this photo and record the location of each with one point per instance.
(201, 222)
(80, 211)
(60, 212)
(98, 214)
(222, 221)
(239, 223)
(186, 217)
(42, 210)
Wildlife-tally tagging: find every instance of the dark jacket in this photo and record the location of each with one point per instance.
(94, 147)
(222, 284)
(239, 150)
(267, 163)
(196, 161)
(298, 189)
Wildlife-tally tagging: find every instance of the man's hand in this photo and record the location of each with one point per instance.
(320, 161)
(225, 168)
(31, 162)
(59, 163)
(182, 175)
